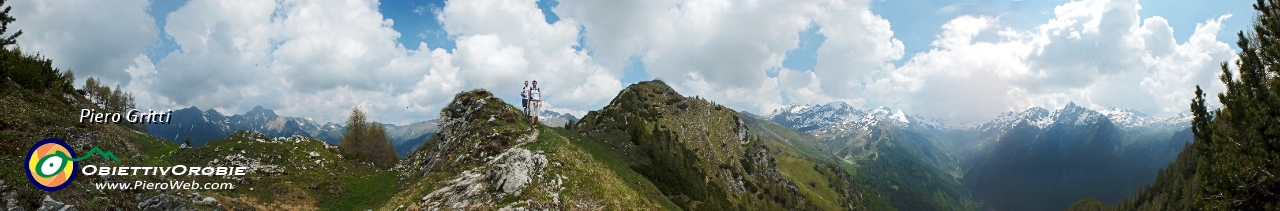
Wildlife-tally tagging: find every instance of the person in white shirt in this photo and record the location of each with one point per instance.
(524, 97)
(535, 103)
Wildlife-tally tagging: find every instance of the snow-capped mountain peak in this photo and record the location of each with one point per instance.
(900, 117)
(1077, 115)
(839, 116)
(1034, 116)
(1126, 117)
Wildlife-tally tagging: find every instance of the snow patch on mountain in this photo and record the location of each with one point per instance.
(840, 117)
(1034, 116)
(556, 119)
(900, 117)
(1076, 115)
(1043, 118)
(1128, 118)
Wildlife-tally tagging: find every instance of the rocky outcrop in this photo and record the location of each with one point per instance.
(513, 169)
(54, 205)
(8, 198)
(478, 145)
(162, 202)
(507, 175)
(474, 126)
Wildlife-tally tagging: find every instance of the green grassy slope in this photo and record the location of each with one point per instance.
(702, 156)
(605, 157)
(576, 175)
(285, 175)
(819, 175)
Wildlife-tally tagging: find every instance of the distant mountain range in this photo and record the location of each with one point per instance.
(1073, 114)
(554, 119)
(1039, 159)
(839, 115)
(902, 157)
(202, 126)
(1036, 159)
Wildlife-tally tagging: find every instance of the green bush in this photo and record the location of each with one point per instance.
(34, 72)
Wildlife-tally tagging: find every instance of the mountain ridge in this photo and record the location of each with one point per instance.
(975, 154)
(808, 117)
(701, 155)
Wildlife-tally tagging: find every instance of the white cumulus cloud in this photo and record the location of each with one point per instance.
(320, 58)
(92, 38)
(721, 50)
(1094, 52)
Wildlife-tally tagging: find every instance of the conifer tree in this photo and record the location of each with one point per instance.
(1240, 142)
(5, 19)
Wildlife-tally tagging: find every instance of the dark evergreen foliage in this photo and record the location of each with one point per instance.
(34, 72)
(1233, 161)
(5, 19)
(29, 71)
(1089, 204)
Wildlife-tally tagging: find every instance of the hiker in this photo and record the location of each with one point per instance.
(524, 97)
(535, 103)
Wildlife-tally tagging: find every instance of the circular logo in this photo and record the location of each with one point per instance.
(49, 164)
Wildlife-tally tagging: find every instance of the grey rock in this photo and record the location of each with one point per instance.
(207, 201)
(161, 202)
(9, 198)
(11, 202)
(463, 193)
(515, 168)
(54, 205)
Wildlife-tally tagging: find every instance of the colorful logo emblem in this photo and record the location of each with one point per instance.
(50, 164)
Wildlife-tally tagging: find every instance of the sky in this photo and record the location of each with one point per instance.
(402, 61)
